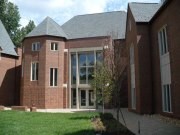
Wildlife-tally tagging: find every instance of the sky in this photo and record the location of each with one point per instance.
(63, 10)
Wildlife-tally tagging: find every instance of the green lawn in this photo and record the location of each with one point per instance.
(28, 123)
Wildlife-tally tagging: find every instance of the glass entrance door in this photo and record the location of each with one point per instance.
(87, 99)
(83, 98)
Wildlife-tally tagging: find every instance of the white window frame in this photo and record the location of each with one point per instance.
(35, 77)
(36, 46)
(55, 45)
(53, 85)
(132, 73)
(162, 39)
(167, 103)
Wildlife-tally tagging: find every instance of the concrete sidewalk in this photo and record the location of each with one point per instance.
(148, 125)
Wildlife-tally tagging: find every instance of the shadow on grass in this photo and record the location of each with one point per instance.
(81, 118)
(82, 132)
(113, 127)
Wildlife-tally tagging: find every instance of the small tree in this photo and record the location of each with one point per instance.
(110, 74)
(101, 83)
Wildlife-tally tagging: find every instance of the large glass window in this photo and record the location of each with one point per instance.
(86, 67)
(162, 37)
(53, 76)
(34, 71)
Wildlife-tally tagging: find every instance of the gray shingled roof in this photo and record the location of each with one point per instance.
(47, 27)
(143, 12)
(5, 42)
(95, 25)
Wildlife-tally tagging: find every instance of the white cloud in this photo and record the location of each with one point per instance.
(63, 10)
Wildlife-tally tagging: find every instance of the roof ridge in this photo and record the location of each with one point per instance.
(47, 24)
(100, 13)
(142, 3)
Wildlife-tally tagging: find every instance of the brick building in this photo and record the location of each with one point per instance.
(10, 70)
(152, 41)
(58, 61)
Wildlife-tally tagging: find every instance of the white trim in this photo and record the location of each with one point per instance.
(70, 80)
(162, 40)
(65, 50)
(65, 85)
(77, 81)
(85, 49)
(54, 44)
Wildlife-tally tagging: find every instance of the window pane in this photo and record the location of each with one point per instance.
(55, 76)
(38, 46)
(90, 59)
(33, 71)
(73, 75)
(83, 98)
(90, 74)
(37, 70)
(164, 37)
(73, 60)
(56, 46)
(82, 75)
(99, 56)
(52, 46)
(33, 47)
(74, 97)
(91, 98)
(82, 59)
(51, 76)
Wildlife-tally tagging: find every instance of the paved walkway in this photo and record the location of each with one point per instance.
(148, 125)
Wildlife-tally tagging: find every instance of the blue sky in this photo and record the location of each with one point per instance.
(63, 10)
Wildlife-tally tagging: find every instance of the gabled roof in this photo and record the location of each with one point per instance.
(6, 44)
(143, 12)
(47, 27)
(96, 25)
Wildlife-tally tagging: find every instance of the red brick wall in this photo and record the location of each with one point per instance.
(139, 37)
(121, 65)
(85, 43)
(10, 71)
(169, 16)
(39, 92)
(131, 39)
(54, 59)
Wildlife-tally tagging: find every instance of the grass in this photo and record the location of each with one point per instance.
(28, 123)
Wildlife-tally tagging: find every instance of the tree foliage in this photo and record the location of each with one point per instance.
(109, 75)
(10, 17)
(22, 32)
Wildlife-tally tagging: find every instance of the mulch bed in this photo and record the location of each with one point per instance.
(105, 124)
